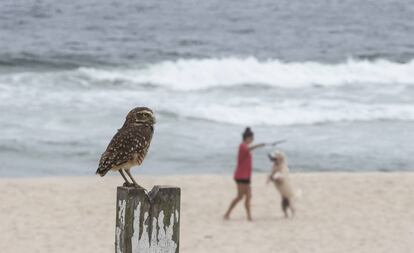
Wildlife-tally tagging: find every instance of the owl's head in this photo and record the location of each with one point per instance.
(140, 115)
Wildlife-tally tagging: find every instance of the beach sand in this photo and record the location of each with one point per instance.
(338, 212)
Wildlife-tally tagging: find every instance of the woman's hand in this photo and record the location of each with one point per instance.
(276, 142)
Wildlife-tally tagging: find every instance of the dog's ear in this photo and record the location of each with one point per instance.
(271, 157)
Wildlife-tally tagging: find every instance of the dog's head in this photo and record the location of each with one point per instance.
(277, 157)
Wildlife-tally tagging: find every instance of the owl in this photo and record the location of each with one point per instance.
(129, 145)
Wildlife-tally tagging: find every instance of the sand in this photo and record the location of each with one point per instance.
(338, 212)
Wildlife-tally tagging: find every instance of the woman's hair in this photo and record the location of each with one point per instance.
(247, 133)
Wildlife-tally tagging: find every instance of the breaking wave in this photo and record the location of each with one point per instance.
(386, 96)
(195, 74)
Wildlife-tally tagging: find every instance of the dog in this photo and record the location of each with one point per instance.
(280, 177)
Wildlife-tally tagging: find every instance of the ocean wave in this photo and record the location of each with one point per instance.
(84, 91)
(294, 112)
(196, 74)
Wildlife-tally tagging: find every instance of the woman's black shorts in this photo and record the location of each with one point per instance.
(242, 181)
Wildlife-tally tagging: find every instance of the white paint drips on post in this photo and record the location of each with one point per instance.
(177, 216)
(147, 223)
(121, 214)
(118, 239)
(150, 242)
(165, 234)
(121, 217)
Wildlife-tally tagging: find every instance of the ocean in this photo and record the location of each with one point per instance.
(335, 78)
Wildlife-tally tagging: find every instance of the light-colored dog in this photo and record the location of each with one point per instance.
(280, 177)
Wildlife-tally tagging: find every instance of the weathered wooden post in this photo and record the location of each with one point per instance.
(147, 223)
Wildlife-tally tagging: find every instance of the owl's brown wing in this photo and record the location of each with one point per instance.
(125, 143)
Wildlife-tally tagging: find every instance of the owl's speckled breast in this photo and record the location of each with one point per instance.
(135, 161)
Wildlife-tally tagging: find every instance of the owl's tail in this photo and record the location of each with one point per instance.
(101, 171)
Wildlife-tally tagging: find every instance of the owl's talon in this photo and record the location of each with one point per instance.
(128, 184)
(138, 186)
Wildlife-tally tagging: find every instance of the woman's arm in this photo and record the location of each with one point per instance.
(257, 146)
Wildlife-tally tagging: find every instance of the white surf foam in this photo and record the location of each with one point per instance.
(195, 74)
(295, 113)
(87, 90)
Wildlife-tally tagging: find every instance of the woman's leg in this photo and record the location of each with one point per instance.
(248, 193)
(236, 200)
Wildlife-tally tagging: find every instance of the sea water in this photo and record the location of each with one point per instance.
(334, 78)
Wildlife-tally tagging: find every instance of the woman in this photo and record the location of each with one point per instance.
(243, 172)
